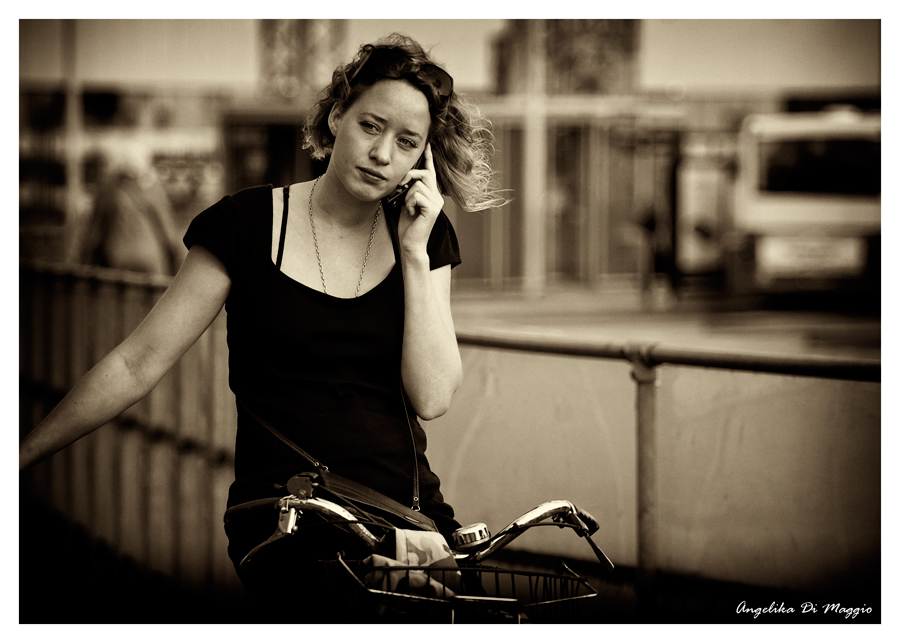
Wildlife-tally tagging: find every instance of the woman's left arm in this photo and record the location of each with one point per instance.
(431, 367)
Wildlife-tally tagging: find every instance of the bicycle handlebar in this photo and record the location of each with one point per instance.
(563, 512)
(556, 508)
(329, 509)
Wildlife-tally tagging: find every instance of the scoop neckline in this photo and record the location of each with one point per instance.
(271, 262)
(325, 294)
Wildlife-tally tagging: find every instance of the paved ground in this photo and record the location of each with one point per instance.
(708, 323)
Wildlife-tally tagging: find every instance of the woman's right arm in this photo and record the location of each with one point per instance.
(135, 366)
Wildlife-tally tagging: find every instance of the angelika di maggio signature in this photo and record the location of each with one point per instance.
(805, 608)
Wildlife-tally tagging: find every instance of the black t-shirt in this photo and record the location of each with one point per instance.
(325, 371)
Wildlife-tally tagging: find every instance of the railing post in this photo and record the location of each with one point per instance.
(644, 373)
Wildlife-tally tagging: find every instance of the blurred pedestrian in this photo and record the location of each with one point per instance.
(130, 225)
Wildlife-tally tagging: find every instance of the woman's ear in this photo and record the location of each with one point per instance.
(334, 119)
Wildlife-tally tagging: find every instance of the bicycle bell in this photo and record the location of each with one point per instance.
(471, 536)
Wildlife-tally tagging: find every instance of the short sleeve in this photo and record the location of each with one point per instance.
(443, 247)
(220, 228)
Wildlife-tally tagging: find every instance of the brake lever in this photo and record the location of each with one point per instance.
(291, 507)
(587, 526)
(287, 525)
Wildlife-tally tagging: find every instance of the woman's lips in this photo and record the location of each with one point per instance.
(372, 174)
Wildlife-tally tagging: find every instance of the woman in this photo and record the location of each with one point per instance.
(337, 299)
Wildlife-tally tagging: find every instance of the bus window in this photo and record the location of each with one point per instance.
(821, 166)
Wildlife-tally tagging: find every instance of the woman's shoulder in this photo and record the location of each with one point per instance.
(247, 207)
(236, 218)
(252, 197)
(247, 200)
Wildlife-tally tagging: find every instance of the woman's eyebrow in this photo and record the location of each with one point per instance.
(382, 121)
(411, 132)
(374, 117)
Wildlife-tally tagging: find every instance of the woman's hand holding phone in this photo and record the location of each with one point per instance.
(422, 204)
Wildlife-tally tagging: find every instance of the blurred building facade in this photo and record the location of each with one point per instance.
(613, 182)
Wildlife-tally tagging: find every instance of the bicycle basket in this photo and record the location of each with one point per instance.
(483, 594)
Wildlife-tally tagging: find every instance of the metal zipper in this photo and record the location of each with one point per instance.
(412, 438)
(278, 435)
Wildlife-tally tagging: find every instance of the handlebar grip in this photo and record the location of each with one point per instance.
(589, 521)
(562, 511)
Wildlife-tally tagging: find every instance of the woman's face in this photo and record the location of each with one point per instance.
(379, 138)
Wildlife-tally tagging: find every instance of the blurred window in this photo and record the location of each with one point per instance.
(110, 109)
(822, 166)
(42, 111)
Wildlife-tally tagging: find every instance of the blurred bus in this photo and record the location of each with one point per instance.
(807, 209)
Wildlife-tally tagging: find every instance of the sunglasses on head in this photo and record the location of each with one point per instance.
(395, 63)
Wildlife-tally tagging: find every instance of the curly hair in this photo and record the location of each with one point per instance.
(461, 139)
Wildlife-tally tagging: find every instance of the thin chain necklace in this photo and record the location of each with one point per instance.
(312, 223)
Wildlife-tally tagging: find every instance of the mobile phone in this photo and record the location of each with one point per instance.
(401, 190)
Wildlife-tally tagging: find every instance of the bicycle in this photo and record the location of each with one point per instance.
(459, 588)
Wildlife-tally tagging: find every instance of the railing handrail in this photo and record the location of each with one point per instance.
(96, 273)
(654, 354)
(647, 353)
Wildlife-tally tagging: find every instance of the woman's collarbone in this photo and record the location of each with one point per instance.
(342, 253)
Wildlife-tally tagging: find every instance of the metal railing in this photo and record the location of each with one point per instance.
(644, 358)
(650, 354)
(152, 483)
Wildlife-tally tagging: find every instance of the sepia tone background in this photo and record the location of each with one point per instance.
(619, 141)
